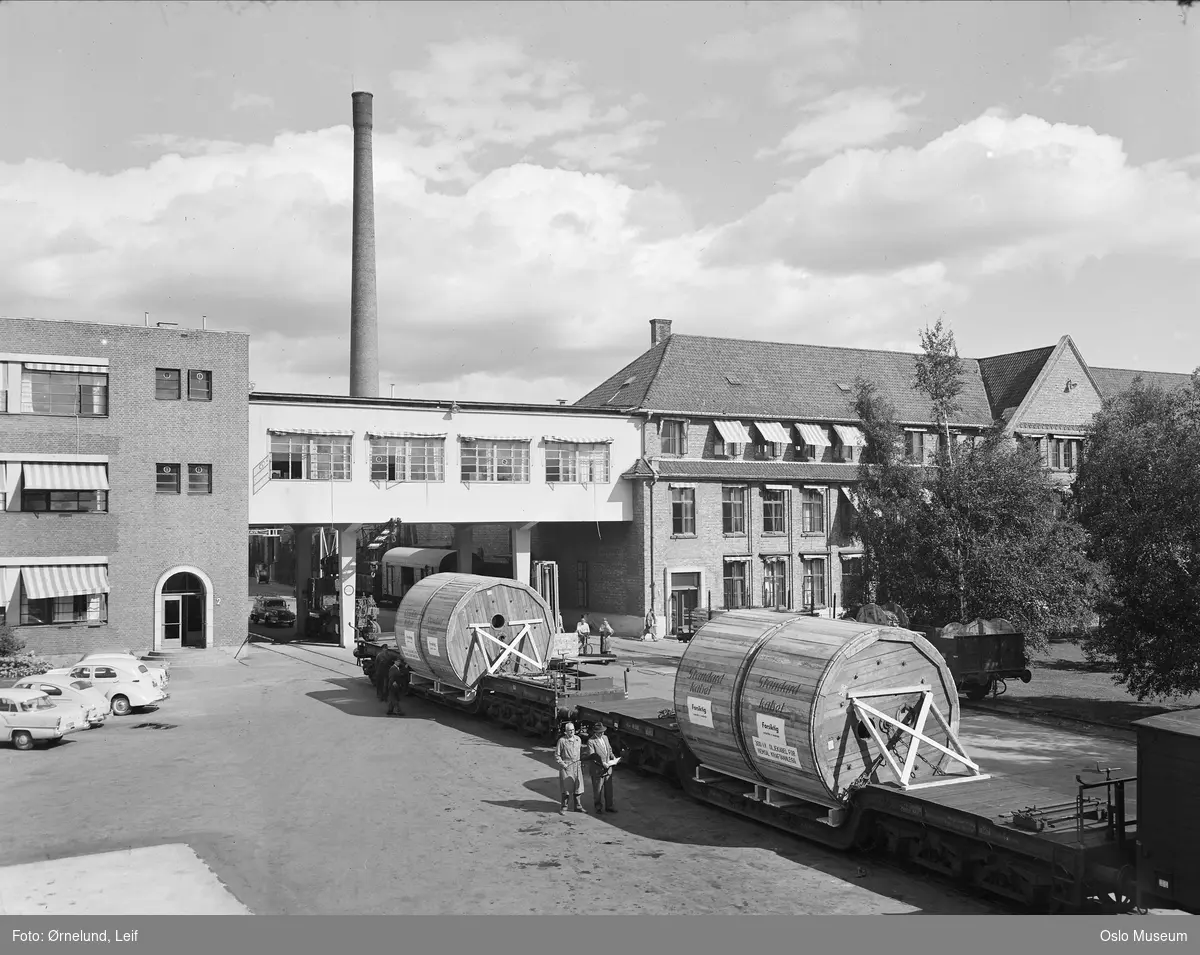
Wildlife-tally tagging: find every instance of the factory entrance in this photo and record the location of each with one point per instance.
(183, 610)
(685, 598)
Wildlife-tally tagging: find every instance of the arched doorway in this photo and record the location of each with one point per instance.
(183, 610)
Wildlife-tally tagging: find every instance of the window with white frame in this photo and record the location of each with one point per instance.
(812, 511)
(814, 583)
(733, 510)
(736, 580)
(673, 437)
(66, 393)
(1063, 453)
(725, 449)
(310, 457)
(488, 461)
(683, 510)
(774, 502)
(576, 463)
(775, 589)
(408, 459)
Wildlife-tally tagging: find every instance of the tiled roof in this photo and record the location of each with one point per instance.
(701, 469)
(700, 375)
(1112, 380)
(1008, 378)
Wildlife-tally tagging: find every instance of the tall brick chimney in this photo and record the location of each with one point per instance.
(364, 310)
(660, 330)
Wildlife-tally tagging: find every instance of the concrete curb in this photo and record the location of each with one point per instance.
(1023, 711)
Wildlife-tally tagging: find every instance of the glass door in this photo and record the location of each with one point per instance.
(172, 636)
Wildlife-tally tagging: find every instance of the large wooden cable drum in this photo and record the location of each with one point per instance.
(765, 696)
(453, 627)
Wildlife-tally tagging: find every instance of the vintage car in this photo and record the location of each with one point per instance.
(124, 687)
(160, 675)
(29, 715)
(273, 611)
(61, 688)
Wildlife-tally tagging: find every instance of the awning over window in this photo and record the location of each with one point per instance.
(813, 434)
(48, 366)
(733, 431)
(849, 435)
(576, 440)
(772, 431)
(492, 437)
(10, 473)
(323, 431)
(851, 496)
(406, 434)
(64, 581)
(66, 477)
(415, 557)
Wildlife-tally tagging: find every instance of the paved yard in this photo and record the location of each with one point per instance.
(286, 780)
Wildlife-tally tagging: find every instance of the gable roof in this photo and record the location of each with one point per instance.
(1113, 380)
(694, 374)
(1008, 378)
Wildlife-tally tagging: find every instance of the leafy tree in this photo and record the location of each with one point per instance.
(940, 376)
(10, 646)
(1138, 494)
(981, 533)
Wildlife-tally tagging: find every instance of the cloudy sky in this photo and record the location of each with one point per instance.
(551, 176)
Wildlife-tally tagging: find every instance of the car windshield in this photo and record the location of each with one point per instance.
(274, 604)
(142, 668)
(82, 684)
(41, 703)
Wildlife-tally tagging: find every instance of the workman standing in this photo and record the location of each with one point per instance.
(398, 677)
(584, 632)
(568, 754)
(600, 765)
(606, 632)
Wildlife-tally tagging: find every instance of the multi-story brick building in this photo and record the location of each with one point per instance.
(123, 485)
(744, 490)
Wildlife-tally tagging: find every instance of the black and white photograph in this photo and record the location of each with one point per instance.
(554, 457)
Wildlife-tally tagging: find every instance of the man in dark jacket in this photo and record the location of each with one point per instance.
(398, 677)
(600, 765)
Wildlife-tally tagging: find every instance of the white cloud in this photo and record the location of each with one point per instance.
(844, 120)
(816, 40)
(531, 283)
(251, 101)
(1084, 56)
(477, 94)
(992, 195)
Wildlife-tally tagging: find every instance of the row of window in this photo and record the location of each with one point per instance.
(1060, 454)
(71, 390)
(297, 457)
(775, 591)
(733, 510)
(731, 438)
(79, 608)
(169, 479)
(169, 387)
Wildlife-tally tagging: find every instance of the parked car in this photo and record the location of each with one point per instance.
(160, 675)
(28, 715)
(61, 688)
(124, 687)
(273, 611)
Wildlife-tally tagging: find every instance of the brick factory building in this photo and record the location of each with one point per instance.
(123, 486)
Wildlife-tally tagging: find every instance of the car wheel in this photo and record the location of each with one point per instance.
(120, 706)
(22, 740)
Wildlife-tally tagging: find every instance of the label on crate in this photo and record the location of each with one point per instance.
(770, 729)
(700, 712)
(410, 642)
(776, 752)
(431, 645)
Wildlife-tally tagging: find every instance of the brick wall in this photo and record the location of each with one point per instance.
(144, 534)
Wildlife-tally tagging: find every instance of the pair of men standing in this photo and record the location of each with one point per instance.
(583, 631)
(570, 756)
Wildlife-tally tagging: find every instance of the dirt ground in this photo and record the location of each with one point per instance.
(286, 778)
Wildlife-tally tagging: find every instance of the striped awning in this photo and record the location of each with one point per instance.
(65, 580)
(733, 432)
(10, 473)
(320, 431)
(406, 434)
(813, 434)
(849, 435)
(772, 432)
(493, 437)
(568, 439)
(48, 366)
(65, 476)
